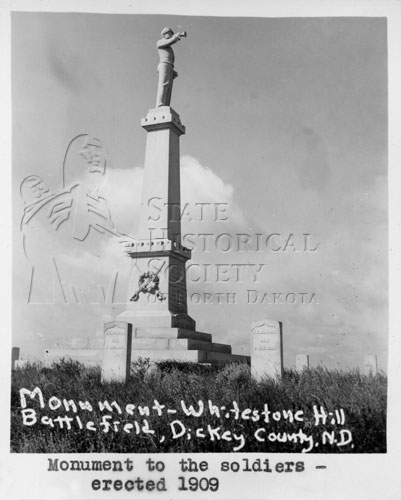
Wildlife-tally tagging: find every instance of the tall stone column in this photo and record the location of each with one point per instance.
(157, 289)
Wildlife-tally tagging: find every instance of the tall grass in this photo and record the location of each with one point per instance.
(363, 399)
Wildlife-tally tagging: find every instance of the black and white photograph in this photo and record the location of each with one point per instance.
(203, 251)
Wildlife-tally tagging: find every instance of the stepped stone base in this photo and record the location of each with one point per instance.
(158, 344)
(194, 356)
(158, 319)
(170, 333)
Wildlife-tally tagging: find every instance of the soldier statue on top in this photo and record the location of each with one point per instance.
(166, 65)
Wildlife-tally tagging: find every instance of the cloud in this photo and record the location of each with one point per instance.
(342, 273)
(199, 184)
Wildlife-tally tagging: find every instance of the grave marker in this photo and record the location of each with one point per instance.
(301, 362)
(117, 351)
(370, 365)
(267, 349)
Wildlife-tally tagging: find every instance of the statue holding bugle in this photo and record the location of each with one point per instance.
(166, 65)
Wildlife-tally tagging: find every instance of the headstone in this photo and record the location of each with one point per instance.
(14, 356)
(370, 364)
(267, 349)
(116, 351)
(301, 362)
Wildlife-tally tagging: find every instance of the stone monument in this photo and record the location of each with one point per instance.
(155, 323)
(158, 280)
(157, 299)
(370, 365)
(301, 362)
(267, 349)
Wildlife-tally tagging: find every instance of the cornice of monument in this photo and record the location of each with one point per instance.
(158, 247)
(163, 117)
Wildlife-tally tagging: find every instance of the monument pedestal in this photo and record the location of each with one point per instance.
(157, 287)
(157, 294)
(179, 344)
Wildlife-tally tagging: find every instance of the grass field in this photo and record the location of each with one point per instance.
(317, 411)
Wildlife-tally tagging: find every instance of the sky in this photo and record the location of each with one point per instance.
(286, 124)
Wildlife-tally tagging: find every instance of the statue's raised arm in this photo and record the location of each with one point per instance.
(166, 65)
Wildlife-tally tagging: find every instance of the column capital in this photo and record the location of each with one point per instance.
(163, 117)
(158, 247)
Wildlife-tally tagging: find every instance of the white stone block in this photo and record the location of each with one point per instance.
(149, 343)
(116, 351)
(267, 349)
(370, 365)
(301, 362)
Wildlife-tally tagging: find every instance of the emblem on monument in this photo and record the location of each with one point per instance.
(149, 283)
